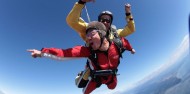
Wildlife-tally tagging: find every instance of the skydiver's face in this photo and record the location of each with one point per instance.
(106, 20)
(93, 39)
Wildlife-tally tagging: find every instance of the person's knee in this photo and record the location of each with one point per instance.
(112, 85)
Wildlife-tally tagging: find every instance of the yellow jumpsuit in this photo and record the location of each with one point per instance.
(79, 25)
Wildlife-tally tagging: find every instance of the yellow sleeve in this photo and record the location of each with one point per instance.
(75, 21)
(128, 29)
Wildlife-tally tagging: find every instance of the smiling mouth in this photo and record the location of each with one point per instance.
(91, 44)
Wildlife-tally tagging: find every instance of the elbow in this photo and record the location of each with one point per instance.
(132, 28)
(69, 21)
(72, 23)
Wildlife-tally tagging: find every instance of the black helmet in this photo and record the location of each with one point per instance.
(105, 13)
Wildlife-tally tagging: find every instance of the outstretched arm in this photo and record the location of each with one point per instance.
(35, 53)
(74, 19)
(130, 27)
(77, 51)
(127, 45)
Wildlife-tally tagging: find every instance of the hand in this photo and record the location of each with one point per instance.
(88, 0)
(35, 53)
(133, 51)
(127, 8)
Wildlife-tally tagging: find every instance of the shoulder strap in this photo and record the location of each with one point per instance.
(114, 31)
(94, 58)
(117, 40)
(119, 44)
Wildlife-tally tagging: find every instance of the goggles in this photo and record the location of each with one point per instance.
(105, 20)
(91, 32)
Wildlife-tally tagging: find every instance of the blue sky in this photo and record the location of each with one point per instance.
(161, 26)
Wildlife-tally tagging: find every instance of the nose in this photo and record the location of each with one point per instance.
(88, 37)
(104, 22)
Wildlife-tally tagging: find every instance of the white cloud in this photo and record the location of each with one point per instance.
(181, 51)
(120, 88)
(1, 92)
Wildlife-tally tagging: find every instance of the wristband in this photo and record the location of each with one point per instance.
(127, 14)
(81, 2)
(130, 19)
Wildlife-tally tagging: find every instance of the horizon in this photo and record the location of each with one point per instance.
(25, 24)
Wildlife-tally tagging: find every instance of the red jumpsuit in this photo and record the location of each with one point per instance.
(106, 61)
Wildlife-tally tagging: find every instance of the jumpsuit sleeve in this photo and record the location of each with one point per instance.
(75, 21)
(129, 28)
(77, 51)
(126, 44)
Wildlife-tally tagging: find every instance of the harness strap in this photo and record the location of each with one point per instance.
(119, 44)
(104, 72)
(96, 72)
